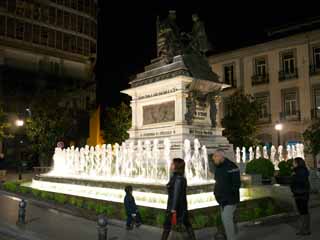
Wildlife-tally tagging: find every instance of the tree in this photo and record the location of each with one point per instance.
(48, 124)
(4, 125)
(312, 139)
(240, 121)
(117, 123)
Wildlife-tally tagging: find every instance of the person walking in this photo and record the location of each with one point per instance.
(300, 187)
(177, 207)
(131, 209)
(226, 190)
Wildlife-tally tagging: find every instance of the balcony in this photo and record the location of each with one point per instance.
(314, 69)
(260, 79)
(293, 116)
(283, 76)
(315, 113)
(265, 119)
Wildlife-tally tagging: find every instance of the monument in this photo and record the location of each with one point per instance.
(177, 96)
(175, 103)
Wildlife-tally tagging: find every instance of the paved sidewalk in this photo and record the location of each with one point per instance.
(49, 224)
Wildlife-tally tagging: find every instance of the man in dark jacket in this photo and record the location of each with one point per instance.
(131, 209)
(226, 190)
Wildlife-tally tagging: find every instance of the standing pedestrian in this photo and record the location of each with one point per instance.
(226, 190)
(300, 187)
(177, 207)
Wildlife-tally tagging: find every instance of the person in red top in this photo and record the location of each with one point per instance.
(177, 207)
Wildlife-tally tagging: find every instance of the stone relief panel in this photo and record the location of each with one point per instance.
(159, 113)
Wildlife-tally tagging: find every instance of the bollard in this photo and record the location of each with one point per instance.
(102, 227)
(22, 212)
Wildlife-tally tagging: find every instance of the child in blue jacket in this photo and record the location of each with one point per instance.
(131, 209)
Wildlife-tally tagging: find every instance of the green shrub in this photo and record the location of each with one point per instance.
(24, 190)
(270, 210)
(90, 205)
(258, 212)
(218, 220)
(60, 198)
(72, 201)
(285, 168)
(123, 214)
(46, 195)
(11, 186)
(79, 202)
(261, 166)
(201, 221)
(160, 219)
(146, 213)
(36, 192)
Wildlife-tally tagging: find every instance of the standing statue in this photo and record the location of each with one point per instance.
(168, 38)
(280, 153)
(244, 154)
(187, 158)
(167, 155)
(199, 41)
(289, 152)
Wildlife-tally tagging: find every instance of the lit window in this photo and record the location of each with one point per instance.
(264, 106)
(291, 103)
(316, 57)
(317, 98)
(261, 67)
(229, 75)
(288, 63)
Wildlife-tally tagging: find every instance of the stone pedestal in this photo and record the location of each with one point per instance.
(170, 102)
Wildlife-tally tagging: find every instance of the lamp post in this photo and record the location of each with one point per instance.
(278, 127)
(19, 123)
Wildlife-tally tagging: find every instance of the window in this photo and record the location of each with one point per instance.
(28, 32)
(93, 47)
(74, 4)
(19, 29)
(317, 98)
(93, 30)
(261, 66)
(316, 57)
(28, 10)
(60, 18)
(45, 14)
(80, 5)
(73, 44)
(3, 4)
(86, 47)
(36, 11)
(229, 75)
(80, 24)
(66, 42)
(73, 22)
(290, 103)
(79, 45)
(264, 102)
(288, 63)
(52, 15)
(87, 26)
(10, 27)
(36, 34)
(52, 38)
(87, 6)
(66, 19)
(20, 6)
(67, 3)
(60, 2)
(59, 40)
(12, 6)
(44, 36)
(2, 25)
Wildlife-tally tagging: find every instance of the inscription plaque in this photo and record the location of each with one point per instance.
(159, 113)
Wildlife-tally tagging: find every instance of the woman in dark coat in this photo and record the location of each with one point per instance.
(177, 207)
(300, 188)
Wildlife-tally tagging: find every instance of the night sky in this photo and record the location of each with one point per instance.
(127, 33)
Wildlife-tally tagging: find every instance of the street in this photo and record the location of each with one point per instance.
(49, 224)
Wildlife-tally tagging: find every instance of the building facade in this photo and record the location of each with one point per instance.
(284, 75)
(46, 45)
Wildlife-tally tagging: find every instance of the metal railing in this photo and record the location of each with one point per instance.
(260, 79)
(293, 116)
(314, 69)
(283, 75)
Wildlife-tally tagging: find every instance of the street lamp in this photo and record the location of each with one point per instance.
(278, 127)
(19, 123)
